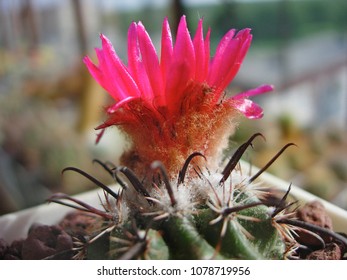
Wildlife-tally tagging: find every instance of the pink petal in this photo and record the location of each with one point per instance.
(207, 52)
(151, 64)
(182, 68)
(118, 73)
(231, 60)
(224, 65)
(217, 62)
(176, 83)
(135, 64)
(245, 40)
(199, 48)
(166, 49)
(248, 108)
(111, 88)
(184, 49)
(96, 73)
(99, 135)
(120, 104)
(101, 74)
(255, 91)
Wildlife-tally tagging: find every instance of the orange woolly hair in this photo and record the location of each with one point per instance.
(199, 128)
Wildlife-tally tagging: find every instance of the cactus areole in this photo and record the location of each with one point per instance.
(176, 200)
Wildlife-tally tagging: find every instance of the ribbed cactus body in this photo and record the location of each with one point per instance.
(160, 228)
(199, 215)
(260, 242)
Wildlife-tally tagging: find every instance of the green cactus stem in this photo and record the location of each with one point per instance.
(185, 242)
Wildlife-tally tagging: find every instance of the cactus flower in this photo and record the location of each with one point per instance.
(169, 104)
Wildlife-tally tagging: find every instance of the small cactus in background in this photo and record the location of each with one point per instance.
(174, 200)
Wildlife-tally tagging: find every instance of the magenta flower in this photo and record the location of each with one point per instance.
(174, 104)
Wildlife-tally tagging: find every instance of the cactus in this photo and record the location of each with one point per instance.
(201, 215)
(173, 200)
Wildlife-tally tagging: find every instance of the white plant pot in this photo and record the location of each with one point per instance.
(15, 225)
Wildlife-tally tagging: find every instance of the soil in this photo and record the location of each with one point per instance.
(56, 242)
(42, 242)
(315, 214)
(332, 251)
(312, 249)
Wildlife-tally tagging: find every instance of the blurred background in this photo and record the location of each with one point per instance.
(49, 104)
